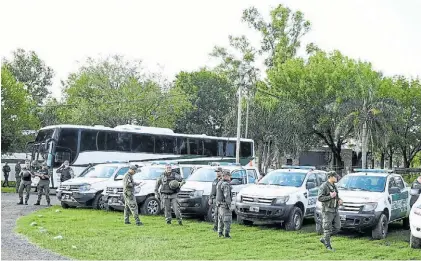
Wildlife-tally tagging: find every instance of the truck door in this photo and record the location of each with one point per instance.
(312, 189)
(398, 198)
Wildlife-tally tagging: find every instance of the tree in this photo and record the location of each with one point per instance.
(32, 72)
(211, 96)
(323, 87)
(115, 91)
(281, 37)
(15, 112)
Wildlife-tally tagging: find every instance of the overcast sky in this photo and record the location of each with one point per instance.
(179, 34)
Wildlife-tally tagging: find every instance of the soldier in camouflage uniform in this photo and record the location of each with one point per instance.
(44, 184)
(169, 193)
(6, 171)
(25, 184)
(66, 172)
(328, 195)
(223, 202)
(130, 204)
(212, 198)
(18, 169)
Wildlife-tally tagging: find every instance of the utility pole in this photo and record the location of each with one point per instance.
(247, 117)
(237, 154)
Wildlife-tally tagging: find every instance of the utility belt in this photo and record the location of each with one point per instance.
(222, 204)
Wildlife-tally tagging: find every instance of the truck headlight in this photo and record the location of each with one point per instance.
(417, 210)
(238, 198)
(319, 205)
(281, 200)
(369, 207)
(196, 194)
(85, 187)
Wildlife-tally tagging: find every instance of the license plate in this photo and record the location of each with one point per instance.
(115, 200)
(342, 217)
(254, 209)
(66, 196)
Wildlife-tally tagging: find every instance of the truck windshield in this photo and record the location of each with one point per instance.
(283, 178)
(203, 175)
(364, 183)
(149, 173)
(99, 172)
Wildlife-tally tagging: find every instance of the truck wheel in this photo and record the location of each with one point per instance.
(210, 215)
(244, 222)
(64, 205)
(414, 242)
(151, 206)
(295, 220)
(98, 202)
(380, 231)
(405, 223)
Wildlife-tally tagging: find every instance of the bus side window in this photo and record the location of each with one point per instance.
(211, 148)
(181, 146)
(142, 143)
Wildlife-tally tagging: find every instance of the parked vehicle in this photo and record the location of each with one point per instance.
(415, 225)
(285, 195)
(372, 199)
(194, 194)
(145, 192)
(85, 190)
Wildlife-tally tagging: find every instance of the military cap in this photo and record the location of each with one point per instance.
(133, 167)
(331, 174)
(219, 169)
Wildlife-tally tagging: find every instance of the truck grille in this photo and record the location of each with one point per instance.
(70, 188)
(351, 207)
(184, 194)
(112, 190)
(264, 201)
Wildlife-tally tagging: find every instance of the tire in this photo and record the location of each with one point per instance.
(380, 231)
(151, 206)
(405, 223)
(210, 215)
(64, 205)
(414, 242)
(295, 220)
(244, 222)
(98, 202)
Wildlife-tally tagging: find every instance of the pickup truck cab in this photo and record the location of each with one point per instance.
(194, 194)
(86, 189)
(372, 199)
(285, 195)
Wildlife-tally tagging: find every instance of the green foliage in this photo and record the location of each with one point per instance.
(103, 235)
(16, 114)
(114, 91)
(32, 72)
(212, 97)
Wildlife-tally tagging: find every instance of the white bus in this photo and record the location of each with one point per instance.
(82, 145)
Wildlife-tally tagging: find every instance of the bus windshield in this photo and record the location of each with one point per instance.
(44, 135)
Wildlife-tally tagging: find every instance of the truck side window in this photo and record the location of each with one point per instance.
(251, 174)
(399, 182)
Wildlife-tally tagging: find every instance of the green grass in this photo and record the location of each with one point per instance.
(92, 234)
(8, 189)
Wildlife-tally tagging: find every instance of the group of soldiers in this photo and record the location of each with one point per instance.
(166, 189)
(24, 179)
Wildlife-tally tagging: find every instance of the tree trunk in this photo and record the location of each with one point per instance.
(382, 158)
(406, 161)
(390, 158)
(364, 140)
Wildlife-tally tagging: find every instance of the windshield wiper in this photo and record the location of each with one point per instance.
(345, 188)
(363, 189)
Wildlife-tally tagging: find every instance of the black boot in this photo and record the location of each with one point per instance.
(37, 204)
(220, 234)
(26, 202)
(180, 222)
(215, 228)
(227, 235)
(169, 222)
(20, 202)
(48, 204)
(127, 223)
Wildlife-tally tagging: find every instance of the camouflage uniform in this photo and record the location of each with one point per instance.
(212, 200)
(18, 169)
(223, 201)
(25, 184)
(6, 171)
(130, 204)
(44, 185)
(169, 195)
(330, 216)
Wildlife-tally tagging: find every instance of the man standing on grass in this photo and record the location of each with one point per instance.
(170, 183)
(328, 195)
(6, 171)
(130, 204)
(18, 169)
(212, 198)
(223, 202)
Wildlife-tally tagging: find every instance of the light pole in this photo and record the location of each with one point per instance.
(237, 154)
